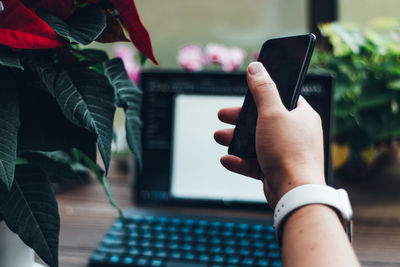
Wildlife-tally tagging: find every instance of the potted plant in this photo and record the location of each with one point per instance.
(57, 101)
(366, 62)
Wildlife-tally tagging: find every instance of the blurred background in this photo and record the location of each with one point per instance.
(361, 47)
(244, 23)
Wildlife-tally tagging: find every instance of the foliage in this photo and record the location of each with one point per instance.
(57, 101)
(366, 63)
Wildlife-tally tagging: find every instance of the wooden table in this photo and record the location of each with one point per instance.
(86, 216)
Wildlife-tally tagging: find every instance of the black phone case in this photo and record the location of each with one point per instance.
(244, 146)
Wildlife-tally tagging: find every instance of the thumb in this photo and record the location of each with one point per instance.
(263, 88)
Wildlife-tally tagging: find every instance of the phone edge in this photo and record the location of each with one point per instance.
(304, 69)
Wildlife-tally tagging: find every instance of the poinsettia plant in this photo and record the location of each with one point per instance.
(57, 101)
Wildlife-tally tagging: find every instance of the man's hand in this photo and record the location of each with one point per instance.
(289, 144)
(289, 150)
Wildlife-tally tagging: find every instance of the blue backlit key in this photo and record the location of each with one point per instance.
(114, 259)
(128, 260)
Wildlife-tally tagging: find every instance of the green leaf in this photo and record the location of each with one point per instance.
(100, 176)
(90, 54)
(87, 23)
(57, 24)
(9, 124)
(380, 124)
(94, 56)
(30, 210)
(374, 98)
(9, 58)
(353, 39)
(394, 85)
(142, 58)
(87, 100)
(340, 90)
(56, 164)
(129, 97)
(41, 63)
(20, 161)
(48, 131)
(83, 26)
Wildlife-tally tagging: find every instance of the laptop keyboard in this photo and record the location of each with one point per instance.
(178, 242)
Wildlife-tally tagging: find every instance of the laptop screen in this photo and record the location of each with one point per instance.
(181, 160)
(196, 171)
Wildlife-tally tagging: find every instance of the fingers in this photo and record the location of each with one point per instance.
(263, 88)
(229, 115)
(224, 137)
(235, 164)
(245, 167)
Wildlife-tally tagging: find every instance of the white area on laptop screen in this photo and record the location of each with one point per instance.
(196, 169)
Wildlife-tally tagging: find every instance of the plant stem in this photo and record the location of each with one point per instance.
(86, 55)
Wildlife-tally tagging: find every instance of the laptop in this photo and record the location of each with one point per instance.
(189, 210)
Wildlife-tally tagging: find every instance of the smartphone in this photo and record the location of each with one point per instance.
(286, 59)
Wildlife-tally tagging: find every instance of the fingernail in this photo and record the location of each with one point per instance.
(255, 68)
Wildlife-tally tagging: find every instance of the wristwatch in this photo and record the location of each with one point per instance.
(313, 194)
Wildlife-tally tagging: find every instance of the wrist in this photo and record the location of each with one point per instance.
(275, 193)
(309, 213)
(309, 218)
(311, 194)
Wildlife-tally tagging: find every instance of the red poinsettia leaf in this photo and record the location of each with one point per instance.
(129, 17)
(21, 28)
(60, 8)
(113, 31)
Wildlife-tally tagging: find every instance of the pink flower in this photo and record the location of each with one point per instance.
(127, 54)
(234, 59)
(216, 53)
(191, 57)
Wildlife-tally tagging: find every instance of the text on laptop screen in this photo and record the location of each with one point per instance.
(196, 169)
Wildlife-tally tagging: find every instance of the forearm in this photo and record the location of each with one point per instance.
(314, 236)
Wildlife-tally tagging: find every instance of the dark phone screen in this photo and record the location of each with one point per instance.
(286, 60)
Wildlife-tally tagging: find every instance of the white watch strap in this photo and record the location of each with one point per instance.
(313, 194)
